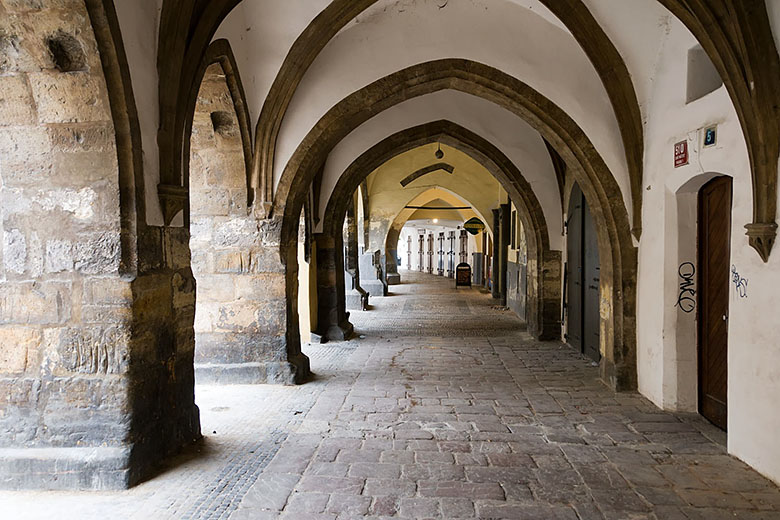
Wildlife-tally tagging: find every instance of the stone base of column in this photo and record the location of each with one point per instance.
(294, 371)
(356, 300)
(375, 288)
(393, 279)
(341, 332)
(93, 469)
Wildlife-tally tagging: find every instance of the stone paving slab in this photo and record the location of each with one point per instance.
(461, 421)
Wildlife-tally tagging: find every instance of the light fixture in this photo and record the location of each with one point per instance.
(435, 221)
(439, 153)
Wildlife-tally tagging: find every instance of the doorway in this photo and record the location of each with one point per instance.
(714, 230)
(584, 316)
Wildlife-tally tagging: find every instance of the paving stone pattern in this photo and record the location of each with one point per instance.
(456, 424)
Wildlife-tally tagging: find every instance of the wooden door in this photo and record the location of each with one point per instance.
(575, 269)
(421, 251)
(583, 329)
(591, 320)
(713, 297)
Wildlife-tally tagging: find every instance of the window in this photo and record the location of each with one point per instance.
(703, 78)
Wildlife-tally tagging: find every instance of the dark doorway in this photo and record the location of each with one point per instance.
(583, 274)
(713, 297)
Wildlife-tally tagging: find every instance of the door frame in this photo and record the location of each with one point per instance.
(699, 297)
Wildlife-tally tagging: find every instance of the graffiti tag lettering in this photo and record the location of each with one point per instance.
(686, 300)
(740, 283)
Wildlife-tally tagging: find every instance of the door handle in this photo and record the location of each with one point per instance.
(725, 318)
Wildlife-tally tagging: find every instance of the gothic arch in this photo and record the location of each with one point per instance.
(587, 166)
(186, 30)
(545, 299)
(574, 14)
(402, 217)
(127, 129)
(219, 52)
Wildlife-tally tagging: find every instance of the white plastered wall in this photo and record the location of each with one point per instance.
(666, 357)
(261, 34)
(139, 22)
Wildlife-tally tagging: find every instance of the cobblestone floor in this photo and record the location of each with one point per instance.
(444, 408)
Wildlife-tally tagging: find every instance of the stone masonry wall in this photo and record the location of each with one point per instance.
(65, 311)
(240, 314)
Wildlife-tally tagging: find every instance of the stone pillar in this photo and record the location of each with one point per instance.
(391, 252)
(495, 269)
(355, 297)
(333, 320)
(96, 309)
(371, 279)
(506, 230)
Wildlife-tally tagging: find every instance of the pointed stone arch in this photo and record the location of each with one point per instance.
(545, 290)
(400, 219)
(588, 168)
(737, 36)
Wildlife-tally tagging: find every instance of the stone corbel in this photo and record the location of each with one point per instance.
(761, 237)
(173, 199)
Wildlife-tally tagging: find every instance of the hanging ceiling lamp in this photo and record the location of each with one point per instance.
(439, 153)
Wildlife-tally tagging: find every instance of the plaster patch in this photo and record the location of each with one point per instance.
(77, 202)
(14, 251)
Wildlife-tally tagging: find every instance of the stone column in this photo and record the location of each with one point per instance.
(495, 269)
(333, 320)
(391, 252)
(355, 297)
(371, 274)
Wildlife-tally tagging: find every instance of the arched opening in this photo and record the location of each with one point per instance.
(544, 266)
(414, 220)
(703, 282)
(582, 276)
(219, 233)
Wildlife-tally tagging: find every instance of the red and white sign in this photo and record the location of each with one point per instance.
(681, 154)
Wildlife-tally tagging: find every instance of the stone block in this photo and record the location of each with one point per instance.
(216, 287)
(59, 256)
(97, 253)
(261, 287)
(35, 302)
(84, 167)
(88, 350)
(105, 468)
(176, 243)
(16, 346)
(21, 159)
(107, 291)
(14, 251)
(210, 201)
(68, 98)
(236, 232)
(16, 101)
(72, 138)
(230, 374)
(265, 260)
(231, 262)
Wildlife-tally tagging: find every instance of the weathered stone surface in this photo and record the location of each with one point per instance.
(35, 302)
(14, 251)
(67, 98)
(16, 102)
(17, 347)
